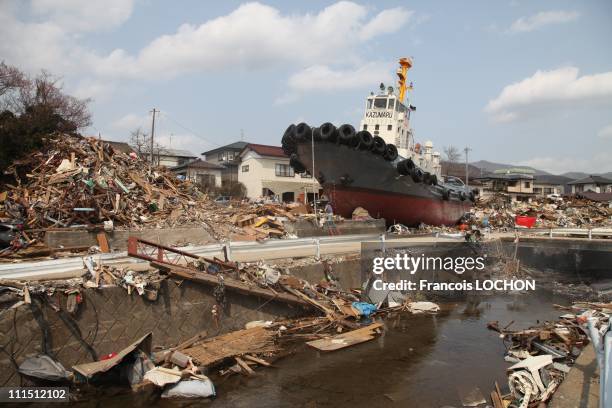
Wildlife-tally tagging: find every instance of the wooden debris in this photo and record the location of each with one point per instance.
(346, 339)
(256, 340)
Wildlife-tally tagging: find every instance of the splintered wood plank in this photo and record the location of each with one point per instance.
(346, 339)
(252, 341)
(103, 243)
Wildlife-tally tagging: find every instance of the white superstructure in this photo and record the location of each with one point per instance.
(387, 116)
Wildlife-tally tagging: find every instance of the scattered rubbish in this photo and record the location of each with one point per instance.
(543, 355)
(96, 370)
(364, 309)
(45, 368)
(472, 398)
(161, 376)
(195, 387)
(347, 339)
(423, 307)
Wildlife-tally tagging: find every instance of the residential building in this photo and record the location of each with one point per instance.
(226, 156)
(596, 184)
(120, 146)
(171, 157)
(201, 172)
(265, 171)
(518, 185)
(545, 184)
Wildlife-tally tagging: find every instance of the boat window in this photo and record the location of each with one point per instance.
(380, 103)
(369, 103)
(376, 127)
(391, 103)
(389, 127)
(365, 127)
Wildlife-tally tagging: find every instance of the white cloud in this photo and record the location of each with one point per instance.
(562, 85)
(255, 36)
(605, 132)
(132, 121)
(78, 15)
(599, 163)
(387, 21)
(324, 78)
(48, 34)
(539, 20)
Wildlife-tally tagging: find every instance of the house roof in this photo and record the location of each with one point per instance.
(120, 146)
(551, 179)
(509, 177)
(198, 164)
(237, 146)
(592, 180)
(265, 150)
(174, 152)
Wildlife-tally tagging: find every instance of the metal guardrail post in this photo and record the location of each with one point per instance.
(227, 248)
(550, 233)
(602, 344)
(318, 249)
(382, 243)
(590, 233)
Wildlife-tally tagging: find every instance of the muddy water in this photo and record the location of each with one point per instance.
(420, 361)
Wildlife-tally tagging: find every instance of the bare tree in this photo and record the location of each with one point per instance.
(452, 154)
(140, 142)
(20, 93)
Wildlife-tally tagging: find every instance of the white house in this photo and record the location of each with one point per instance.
(596, 184)
(265, 171)
(171, 157)
(202, 172)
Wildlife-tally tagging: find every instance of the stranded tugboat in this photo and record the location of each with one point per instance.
(379, 167)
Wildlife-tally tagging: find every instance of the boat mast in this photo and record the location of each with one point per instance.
(402, 73)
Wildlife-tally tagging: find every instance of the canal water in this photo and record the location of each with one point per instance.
(419, 361)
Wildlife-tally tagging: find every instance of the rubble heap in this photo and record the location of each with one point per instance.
(79, 182)
(542, 355)
(499, 212)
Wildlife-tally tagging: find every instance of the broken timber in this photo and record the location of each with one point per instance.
(230, 284)
(346, 339)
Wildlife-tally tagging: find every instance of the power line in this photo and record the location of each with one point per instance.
(189, 130)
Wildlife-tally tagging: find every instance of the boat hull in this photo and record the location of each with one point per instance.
(356, 178)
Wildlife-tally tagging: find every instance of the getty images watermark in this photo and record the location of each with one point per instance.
(458, 265)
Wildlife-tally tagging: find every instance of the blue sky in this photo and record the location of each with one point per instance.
(525, 82)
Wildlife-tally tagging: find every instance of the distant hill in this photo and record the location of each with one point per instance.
(575, 175)
(491, 167)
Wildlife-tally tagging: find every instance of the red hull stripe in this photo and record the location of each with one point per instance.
(395, 208)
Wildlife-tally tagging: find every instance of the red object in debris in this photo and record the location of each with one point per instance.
(108, 356)
(525, 221)
(463, 227)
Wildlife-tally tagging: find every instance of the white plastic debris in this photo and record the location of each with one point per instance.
(200, 387)
(422, 307)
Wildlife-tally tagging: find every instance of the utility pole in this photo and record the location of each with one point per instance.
(153, 132)
(467, 170)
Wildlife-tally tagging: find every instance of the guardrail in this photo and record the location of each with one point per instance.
(74, 266)
(589, 233)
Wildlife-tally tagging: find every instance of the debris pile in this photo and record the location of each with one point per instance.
(499, 212)
(335, 319)
(84, 183)
(543, 355)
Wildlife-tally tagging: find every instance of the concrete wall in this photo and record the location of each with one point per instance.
(118, 239)
(306, 228)
(109, 320)
(566, 258)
